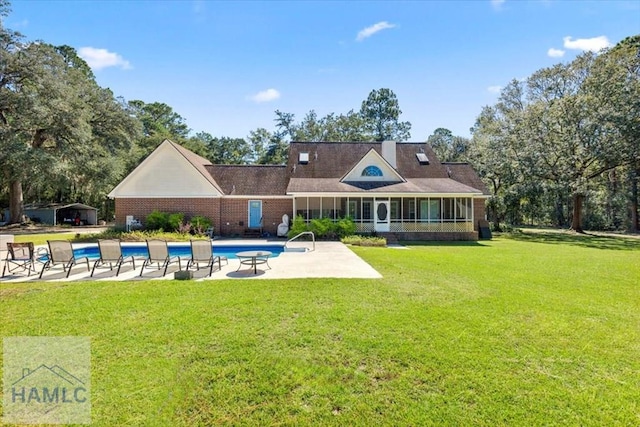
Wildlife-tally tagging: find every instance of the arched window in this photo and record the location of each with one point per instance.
(372, 171)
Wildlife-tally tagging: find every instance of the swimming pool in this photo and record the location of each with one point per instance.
(182, 250)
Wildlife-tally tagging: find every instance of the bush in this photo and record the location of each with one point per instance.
(165, 221)
(364, 241)
(345, 227)
(298, 226)
(322, 228)
(157, 220)
(175, 222)
(199, 224)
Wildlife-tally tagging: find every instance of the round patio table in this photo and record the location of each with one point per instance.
(253, 258)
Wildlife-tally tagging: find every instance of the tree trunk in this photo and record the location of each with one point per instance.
(576, 221)
(634, 227)
(16, 208)
(559, 211)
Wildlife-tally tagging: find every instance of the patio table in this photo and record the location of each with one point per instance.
(253, 258)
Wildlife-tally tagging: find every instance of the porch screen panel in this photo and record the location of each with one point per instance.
(341, 207)
(395, 209)
(462, 209)
(434, 210)
(423, 213)
(314, 207)
(352, 209)
(328, 208)
(409, 209)
(367, 209)
(302, 207)
(448, 209)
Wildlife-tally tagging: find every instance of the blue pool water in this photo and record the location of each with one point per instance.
(182, 250)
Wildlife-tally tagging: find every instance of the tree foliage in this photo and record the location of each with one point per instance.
(549, 144)
(448, 147)
(381, 115)
(62, 137)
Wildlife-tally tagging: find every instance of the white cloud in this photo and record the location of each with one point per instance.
(593, 44)
(497, 4)
(265, 96)
(555, 53)
(494, 89)
(102, 58)
(369, 31)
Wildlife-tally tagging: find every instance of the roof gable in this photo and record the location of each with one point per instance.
(169, 171)
(372, 161)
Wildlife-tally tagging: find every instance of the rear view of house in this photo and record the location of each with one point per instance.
(385, 187)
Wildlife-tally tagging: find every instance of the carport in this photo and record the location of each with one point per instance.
(59, 214)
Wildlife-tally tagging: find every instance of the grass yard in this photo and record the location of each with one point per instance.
(529, 329)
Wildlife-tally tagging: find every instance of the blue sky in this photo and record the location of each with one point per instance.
(227, 66)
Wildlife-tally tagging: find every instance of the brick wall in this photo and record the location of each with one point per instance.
(236, 211)
(479, 211)
(225, 214)
(140, 208)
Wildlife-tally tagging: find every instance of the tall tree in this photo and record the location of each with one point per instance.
(570, 125)
(259, 141)
(615, 81)
(381, 113)
(159, 122)
(54, 118)
(448, 148)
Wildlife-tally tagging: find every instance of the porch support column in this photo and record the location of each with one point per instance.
(473, 215)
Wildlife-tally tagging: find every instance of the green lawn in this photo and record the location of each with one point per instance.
(533, 329)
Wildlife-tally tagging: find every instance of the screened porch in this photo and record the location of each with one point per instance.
(394, 214)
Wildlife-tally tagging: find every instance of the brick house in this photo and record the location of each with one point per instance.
(386, 187)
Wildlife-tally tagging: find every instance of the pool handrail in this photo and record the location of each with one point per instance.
(313, 238)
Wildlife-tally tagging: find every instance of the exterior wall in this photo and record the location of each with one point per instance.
(235, 215)
(230, 216)
(140, 208)
(479, 211)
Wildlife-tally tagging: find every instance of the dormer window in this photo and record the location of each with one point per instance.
(303, 158)
(372, 171)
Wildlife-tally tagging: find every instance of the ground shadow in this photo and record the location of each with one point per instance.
(243, 274)
(455, 243)
(586, 240)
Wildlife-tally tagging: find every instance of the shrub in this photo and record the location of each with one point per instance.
(298, 226)
(175, 222)
(322, 228)
(357, 240)
(345, 227)
(157, 220)
(185, 228)
(199, 224)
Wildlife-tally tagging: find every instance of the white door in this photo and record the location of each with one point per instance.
(382, 216)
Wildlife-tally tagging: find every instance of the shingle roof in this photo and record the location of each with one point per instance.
(334, 159)
(248, 180)
(464, 172)
(413, 185)
(329, 161)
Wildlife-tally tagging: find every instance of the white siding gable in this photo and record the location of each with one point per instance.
(165, 173)
(372, 158)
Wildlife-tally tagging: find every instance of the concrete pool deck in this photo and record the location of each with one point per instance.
(328, 260)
